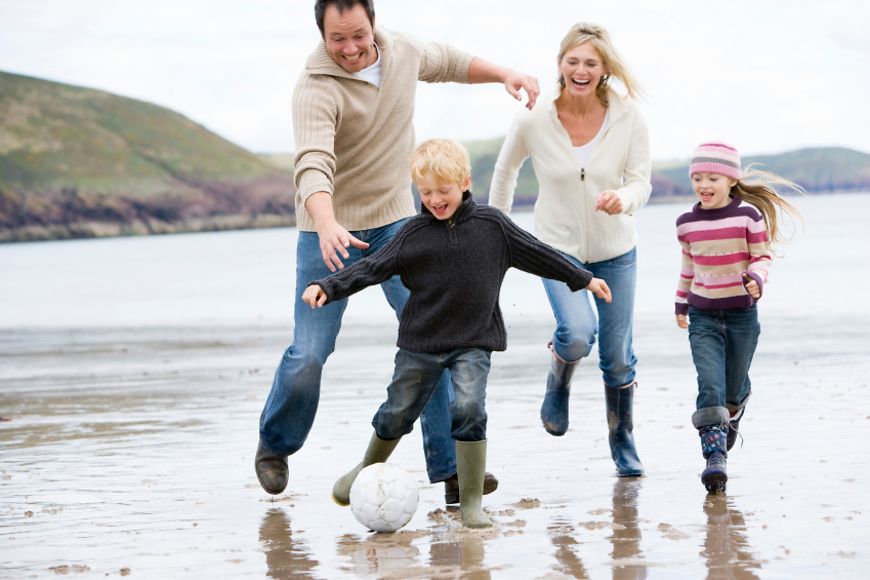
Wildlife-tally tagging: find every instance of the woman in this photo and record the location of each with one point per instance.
(590, 151)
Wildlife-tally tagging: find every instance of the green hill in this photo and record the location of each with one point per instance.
(77, 162)
(818, 170)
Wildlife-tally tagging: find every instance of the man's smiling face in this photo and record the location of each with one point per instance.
(349, 37)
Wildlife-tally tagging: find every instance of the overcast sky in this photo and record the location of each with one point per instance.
(765, 75)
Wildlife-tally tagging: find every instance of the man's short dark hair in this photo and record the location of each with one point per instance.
(342, 5)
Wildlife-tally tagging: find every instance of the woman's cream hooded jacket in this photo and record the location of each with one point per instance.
(565, 215)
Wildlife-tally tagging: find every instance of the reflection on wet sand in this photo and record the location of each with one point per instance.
(381, 555)
(628, 563)
(726, 547)
(568, 561)
(465, 554)
(454, 552)
(285, 557)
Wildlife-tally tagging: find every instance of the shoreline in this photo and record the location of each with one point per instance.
(154, 227)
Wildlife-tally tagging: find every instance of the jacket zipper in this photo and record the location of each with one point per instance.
(451, 231)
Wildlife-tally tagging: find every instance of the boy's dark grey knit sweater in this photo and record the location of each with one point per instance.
(454, 269)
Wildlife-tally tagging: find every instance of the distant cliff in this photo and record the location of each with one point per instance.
(77, 162)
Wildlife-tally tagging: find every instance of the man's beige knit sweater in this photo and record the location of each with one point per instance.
(353, 139)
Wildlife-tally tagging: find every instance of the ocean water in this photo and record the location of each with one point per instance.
(248, 276)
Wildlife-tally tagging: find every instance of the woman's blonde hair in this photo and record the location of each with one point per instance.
(614, 66)
(445, 160)
(758, 188)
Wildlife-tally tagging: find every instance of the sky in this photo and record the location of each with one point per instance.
(764, 75)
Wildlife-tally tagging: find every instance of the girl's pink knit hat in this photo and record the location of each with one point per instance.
(716, 158)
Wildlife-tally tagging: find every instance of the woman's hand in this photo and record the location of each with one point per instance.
(682, 321)
(608, 202)
(314, 296)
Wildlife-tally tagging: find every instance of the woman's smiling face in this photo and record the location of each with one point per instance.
(581, 69)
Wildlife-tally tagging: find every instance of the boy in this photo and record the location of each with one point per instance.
(452, 257)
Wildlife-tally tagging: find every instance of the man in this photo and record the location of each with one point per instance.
(353, 112)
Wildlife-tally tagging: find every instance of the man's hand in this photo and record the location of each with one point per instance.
(314, 296)
(515, 81)
(482, 71)
(334, 242)
(599, 287)
(334, 239)
(608, 202)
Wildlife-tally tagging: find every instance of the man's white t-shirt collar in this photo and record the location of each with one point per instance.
(372, 74)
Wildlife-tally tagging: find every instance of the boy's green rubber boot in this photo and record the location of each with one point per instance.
(379, 450)
(470, 467)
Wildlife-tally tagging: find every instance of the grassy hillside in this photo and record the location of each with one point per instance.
(77, 162)
(819, 170)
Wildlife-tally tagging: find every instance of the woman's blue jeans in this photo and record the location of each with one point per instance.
(577, 323)
(414, 379)
(723, 343)
(289, 411)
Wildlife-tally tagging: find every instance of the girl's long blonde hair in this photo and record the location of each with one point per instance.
(758, 188)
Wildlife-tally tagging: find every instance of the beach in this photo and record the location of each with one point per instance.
(133, 372)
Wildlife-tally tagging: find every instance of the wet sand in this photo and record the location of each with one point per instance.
(128, 451)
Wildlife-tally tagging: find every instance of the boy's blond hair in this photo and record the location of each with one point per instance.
(445, 160)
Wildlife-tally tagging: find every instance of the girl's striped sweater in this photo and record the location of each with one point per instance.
(718, 247)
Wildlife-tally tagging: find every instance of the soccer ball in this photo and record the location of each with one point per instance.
(383, 497)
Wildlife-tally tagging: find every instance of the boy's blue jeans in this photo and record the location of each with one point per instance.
(577, 324)
(414, 380)
(723, 343)
(289, 411)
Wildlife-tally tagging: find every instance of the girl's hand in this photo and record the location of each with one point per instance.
(682, 321)
(599, 287)
(314, 296)
(608, 202)
(751, 286)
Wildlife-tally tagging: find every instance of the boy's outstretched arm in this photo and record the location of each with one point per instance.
(314, 296)
(599, 287)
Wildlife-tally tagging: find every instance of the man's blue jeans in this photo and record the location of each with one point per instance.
(414, 379)
(577, 324)
(292, 403)
(723, 343)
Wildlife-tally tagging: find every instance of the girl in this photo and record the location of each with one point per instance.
(725, 243)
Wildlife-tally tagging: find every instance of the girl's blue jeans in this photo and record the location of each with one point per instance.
(577, 323)
(289, 411)
(414, 380)
(723, 343)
